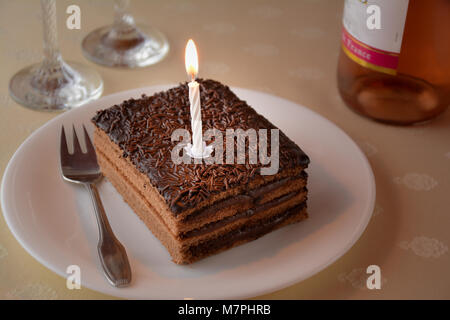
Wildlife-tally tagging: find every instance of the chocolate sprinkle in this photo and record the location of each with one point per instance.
(142, 128)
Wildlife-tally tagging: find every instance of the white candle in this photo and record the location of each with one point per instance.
(191, 61)
(196, 118)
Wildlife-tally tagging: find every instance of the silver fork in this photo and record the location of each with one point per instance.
(83, 168)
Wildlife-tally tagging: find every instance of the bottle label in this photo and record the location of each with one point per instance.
(373, 31)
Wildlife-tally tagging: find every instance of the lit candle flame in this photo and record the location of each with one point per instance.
(191, 59)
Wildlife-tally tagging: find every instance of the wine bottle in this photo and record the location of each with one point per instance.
(394, 64)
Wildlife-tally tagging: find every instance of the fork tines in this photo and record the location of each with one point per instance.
(76, 143)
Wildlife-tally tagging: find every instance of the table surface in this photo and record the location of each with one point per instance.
(286, 48)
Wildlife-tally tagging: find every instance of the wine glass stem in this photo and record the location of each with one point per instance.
(52, 56)
(123, 20)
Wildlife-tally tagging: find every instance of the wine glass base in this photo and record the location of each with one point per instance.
(78, 86)
(145, 47)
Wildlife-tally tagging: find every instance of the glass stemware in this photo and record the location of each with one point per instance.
(54, 84)
(125, 44)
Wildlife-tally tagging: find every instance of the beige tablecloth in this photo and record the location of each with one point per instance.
(287, 48)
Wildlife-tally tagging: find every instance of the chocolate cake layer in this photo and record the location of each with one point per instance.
(220, 209)
(243, 214)
(142, 129)
(248, 232)
(251, 197)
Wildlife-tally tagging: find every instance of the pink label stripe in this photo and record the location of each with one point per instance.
(370, 55)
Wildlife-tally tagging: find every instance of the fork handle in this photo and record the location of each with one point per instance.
(112, 254)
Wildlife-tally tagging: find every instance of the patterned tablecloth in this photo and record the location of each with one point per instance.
(287, 48)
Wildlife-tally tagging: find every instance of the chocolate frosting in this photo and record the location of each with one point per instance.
(142, 128)
(247, 213)
(250, 197)
(246, 232)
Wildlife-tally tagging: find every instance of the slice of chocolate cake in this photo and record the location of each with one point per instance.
(194, 209)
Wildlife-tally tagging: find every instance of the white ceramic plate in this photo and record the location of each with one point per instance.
(54, 220)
